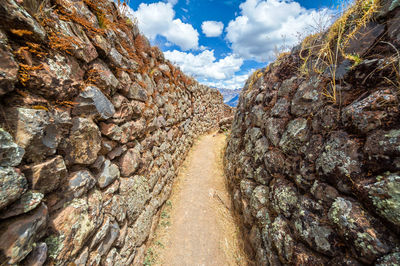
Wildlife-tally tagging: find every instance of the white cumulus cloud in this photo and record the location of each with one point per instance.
(212, 28)
(159, 19)
(264, 25)
(204, 65)
(232, 83)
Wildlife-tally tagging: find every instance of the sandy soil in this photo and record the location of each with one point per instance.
(196, 225)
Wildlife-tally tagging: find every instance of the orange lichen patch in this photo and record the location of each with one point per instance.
(24, 72)
(40, 107)
(36, 49)
(21, 33)
(62, 42)
(66, 103)
(94, 75)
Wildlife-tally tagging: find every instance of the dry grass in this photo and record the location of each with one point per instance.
(323, 51)
(254, 77)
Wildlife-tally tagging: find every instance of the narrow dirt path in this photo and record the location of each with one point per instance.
(196, 225)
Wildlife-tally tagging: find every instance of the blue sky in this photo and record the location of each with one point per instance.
(220, 42)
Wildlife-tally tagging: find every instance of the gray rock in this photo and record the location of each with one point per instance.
(259, 199)
(247, 187)
(365, 38)
(274, 161)
(108, 174)
(369, 113)
(101, 233)
(307, 226)
(274, 129)
(136, 92)
(33, 131)
(387, 6)
(282, 239)
(283, 197)
(288, 86)
(307, 99)
(27, 202)
(281, 108)
(12, 186)
(83, 257)
(12, 14)
(116, 58)
(135, 193)
(102, 77)
(79, 183)
(360, 229)
(18, 236)
(385, 195)
(10, 153)
(92, 101)
(389, 260)
(295, 136)
(340, 156)
(109, 239)
(38, 255)
(383, 143)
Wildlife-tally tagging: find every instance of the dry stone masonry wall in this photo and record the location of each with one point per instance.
(95, 124)
(316, 181)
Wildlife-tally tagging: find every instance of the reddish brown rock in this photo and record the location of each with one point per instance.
(46, 177)
(17, 236)
(129, 162)
(84, 143)
(102, 77)
(71, 226)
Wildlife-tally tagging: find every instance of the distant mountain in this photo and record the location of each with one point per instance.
(233, 102)
(231, 97)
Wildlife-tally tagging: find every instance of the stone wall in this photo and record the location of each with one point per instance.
(95, 124)
(316, 180)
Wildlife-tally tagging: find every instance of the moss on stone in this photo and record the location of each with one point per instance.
(54, 245)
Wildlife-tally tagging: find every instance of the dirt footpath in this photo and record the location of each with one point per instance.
(196, 225)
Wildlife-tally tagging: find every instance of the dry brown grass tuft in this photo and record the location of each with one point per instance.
(323, 51)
